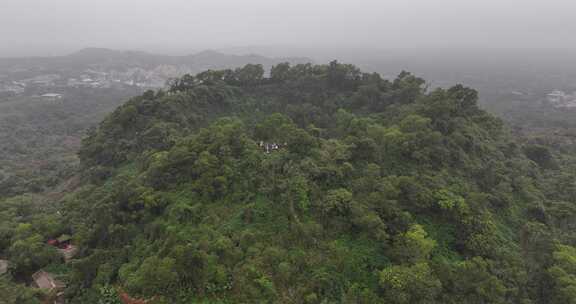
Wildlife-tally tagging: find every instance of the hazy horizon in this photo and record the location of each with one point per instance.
(58, 27)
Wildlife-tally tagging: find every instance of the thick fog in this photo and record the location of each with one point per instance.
(41, 27)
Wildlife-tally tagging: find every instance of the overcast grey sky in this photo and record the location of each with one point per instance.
(54, 26)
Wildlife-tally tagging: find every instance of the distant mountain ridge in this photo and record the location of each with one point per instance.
(108, 57)
(105, 68)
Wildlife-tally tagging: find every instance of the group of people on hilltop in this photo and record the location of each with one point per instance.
(270, 147)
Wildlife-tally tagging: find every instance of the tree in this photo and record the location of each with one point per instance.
(563, 274)
(156, 276)
(465, 98)
(280, 72)
(210, 77)
(250, 74)
(183, 83)
(413, 245)
(192, 265)
(414, 284)
(338, 202)
(472, 282)
(343, 76)
(408, 87)
(540, 155)
(274, 128)
(29, 252)
(12, 293)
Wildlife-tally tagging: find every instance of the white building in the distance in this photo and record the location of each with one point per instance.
(559, 99)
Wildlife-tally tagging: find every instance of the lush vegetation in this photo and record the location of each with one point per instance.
(376, 191)
(39, 138)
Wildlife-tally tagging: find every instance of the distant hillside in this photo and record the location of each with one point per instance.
(104, 68)
(107, 58)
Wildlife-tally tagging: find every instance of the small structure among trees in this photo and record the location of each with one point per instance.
(3, 267)
(54, 288)
(44, 280)
(65, 247)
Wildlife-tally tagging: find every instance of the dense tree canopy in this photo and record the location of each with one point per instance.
(315, 184)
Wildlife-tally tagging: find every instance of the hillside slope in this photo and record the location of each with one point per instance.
(317, 184)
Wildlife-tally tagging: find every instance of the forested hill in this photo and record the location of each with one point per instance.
(315, 184)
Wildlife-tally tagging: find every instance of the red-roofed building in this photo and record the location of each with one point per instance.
(65, 247)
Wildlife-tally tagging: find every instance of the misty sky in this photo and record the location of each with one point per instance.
(43, 27)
